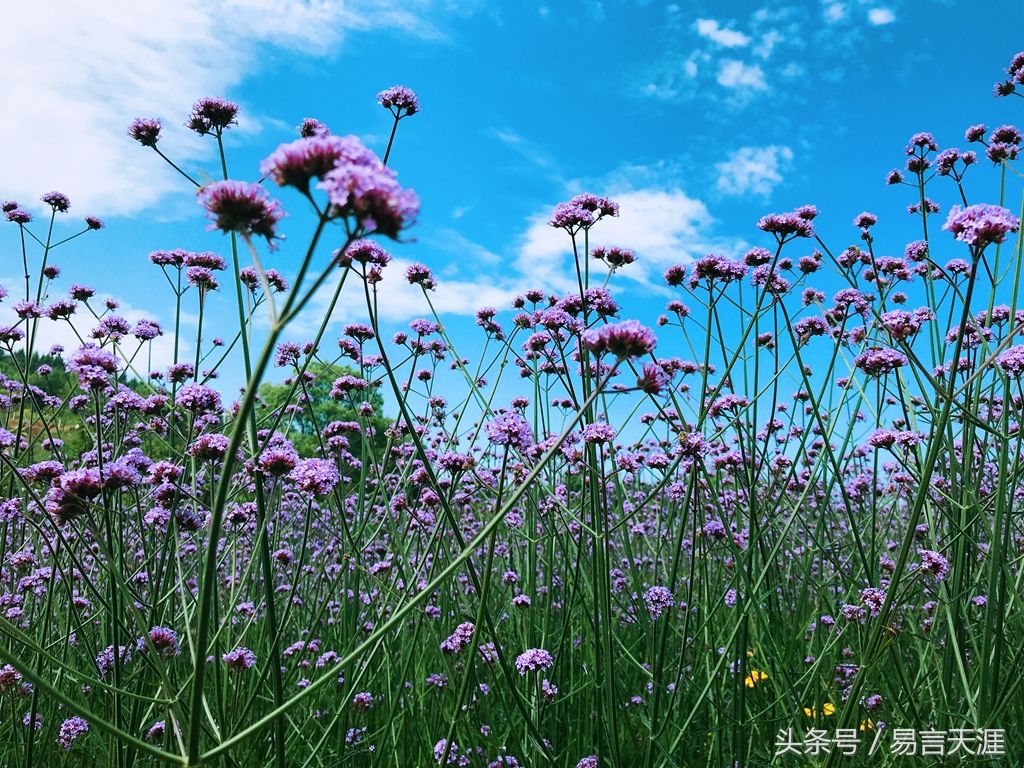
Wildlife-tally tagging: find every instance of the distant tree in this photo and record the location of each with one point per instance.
(303, 423)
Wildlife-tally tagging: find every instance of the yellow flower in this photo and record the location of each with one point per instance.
(827, 709)
(756, 676)
(866, 725)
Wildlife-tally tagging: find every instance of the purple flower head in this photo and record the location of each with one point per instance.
(316, 476)
(210, 447)
(509, 428)
(70, 731)
(420, 274)
(459, 639)
(198, 398)
(933, 563)
(878, 362)
(164, 640)
(1012, 361)
(658, 600)
(975, 133)
(202, 278)
(533, 660)
(786, 226)
(310, 126)
(614, 256)
(57, 200)
(239, 206)
(145, 130)
(239, 659)
(93, 366)
(980, 225)
(297, 163)
(361, 187)
(18, 216)
(94, 223)
(212, 115)
(590, 761)
(627, 339)
(581, 212)
(401, 101)
(598, 433)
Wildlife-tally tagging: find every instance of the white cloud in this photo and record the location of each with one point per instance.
(835, 12)
(880, 16)
(753, 170)
(727, 38)
(733, 73)
(663, 225)
(85, 70)
(158, 353)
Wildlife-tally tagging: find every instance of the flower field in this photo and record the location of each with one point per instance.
(777, 522)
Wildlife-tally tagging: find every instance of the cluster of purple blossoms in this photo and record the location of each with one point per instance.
(590, 761)
(358, 184)
(582, 212)
(242, 207)
(658, 599)
(1015, 77)
(240, 658)
(460, 638)
(58, 201)
(1012, 361)
(198, 398)
(533, 660)
(786, 226)
(145, 130)
(400, 100)
(934, 563)
(598, 433)
(878, 362)
(420, 274)
(212, 115)
(716, 268)
(509, 428)
(162, 639)
(93, 367)
(316, 476)
(614, 256)
(980, 225)
(70, 731)
(625, 340)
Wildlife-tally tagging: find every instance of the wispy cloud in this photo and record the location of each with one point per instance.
(753, 170)
(881, 16)
(738, 75)
(87, 69)
(715, 32)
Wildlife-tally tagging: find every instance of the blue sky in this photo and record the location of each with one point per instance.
(698, 118)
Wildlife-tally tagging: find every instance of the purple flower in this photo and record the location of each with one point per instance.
(533, 660)
(18, 216)
(979, 225)
(420, 274)
(401, 101)
(297, 163)
(164, 640)
(57, 200)
(240, 658)
(590, 761)
(459, 639)
(582, 212)
(93, 366)
(239, 206)
(627, 339)
(361, 187)
(198, 398)
(145, 130)
(598, 433)
(316, 476)
(658, 600)
(212, 115)
(878, 362)
(70, 730)
(310, 126)
(1012, 361)
(934, 563)
(510, 429)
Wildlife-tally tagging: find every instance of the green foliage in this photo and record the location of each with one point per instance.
(317, 409)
